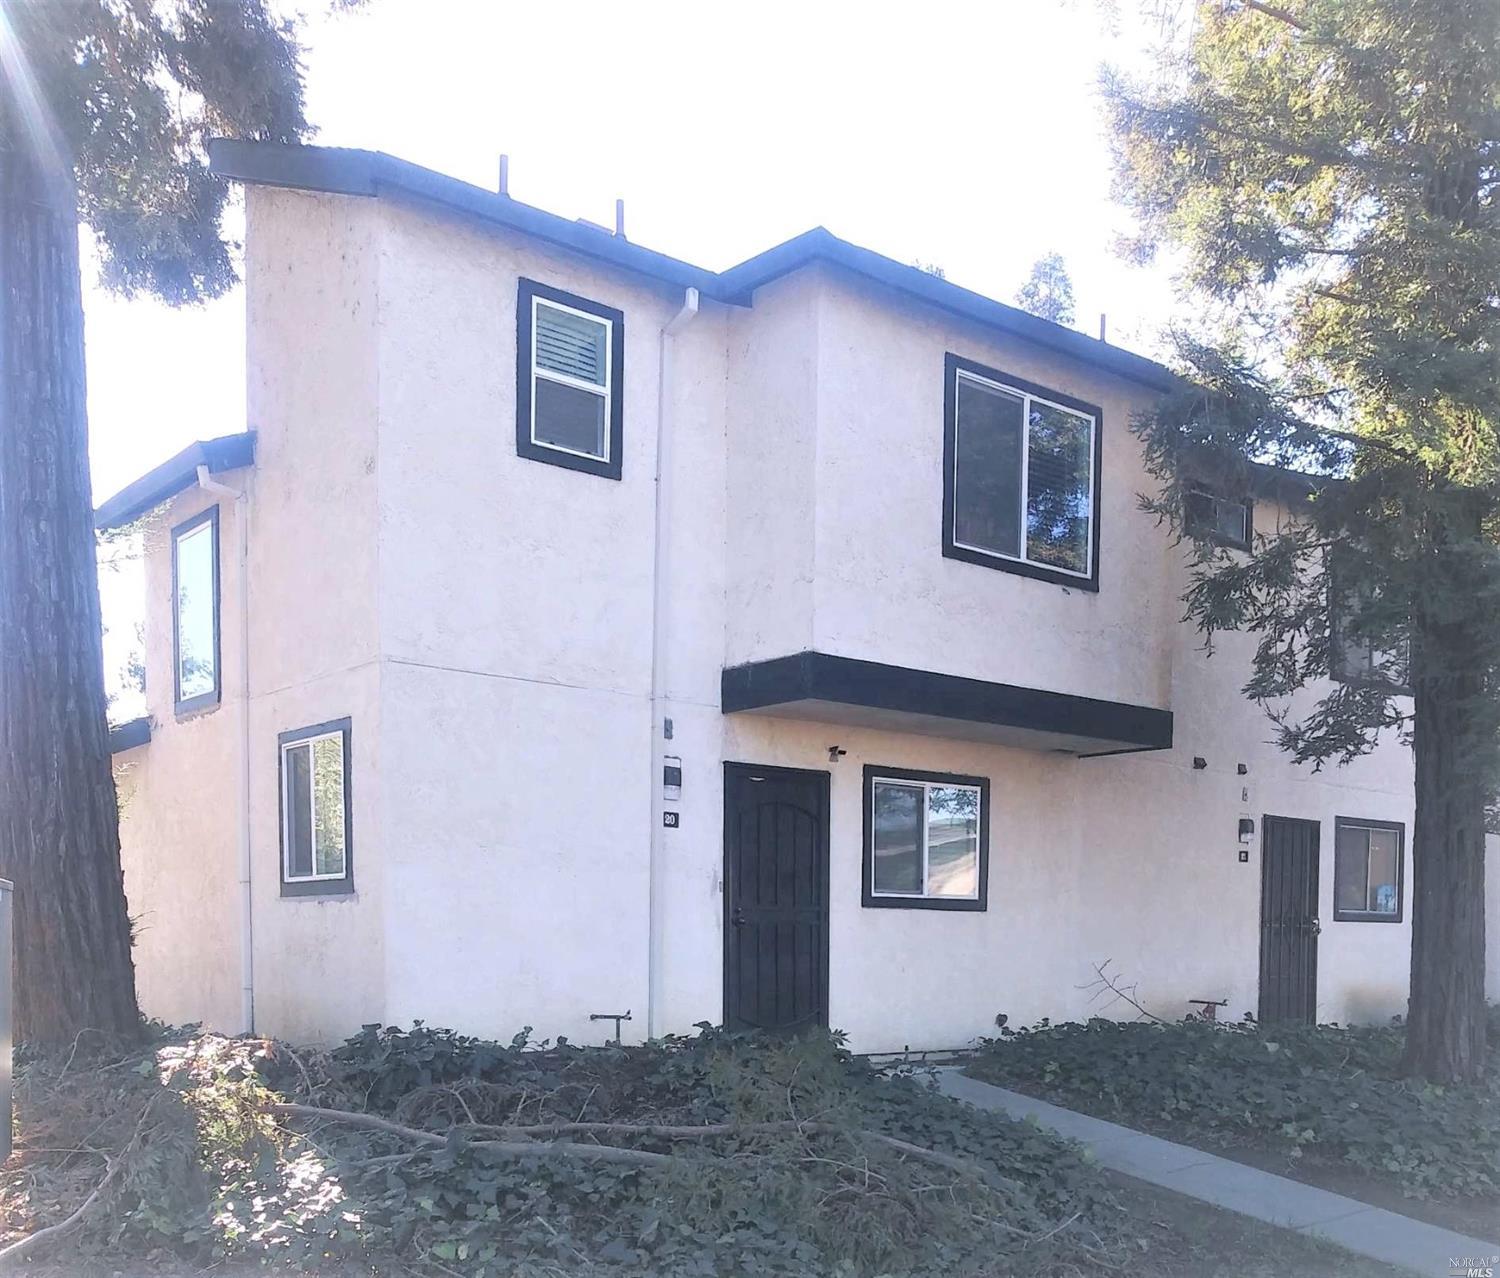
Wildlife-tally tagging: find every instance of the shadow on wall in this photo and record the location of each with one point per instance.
(1373, 1004)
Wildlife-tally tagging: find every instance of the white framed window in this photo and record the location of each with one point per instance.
(1020, 488)
(926, 841)
(570, 355)
(1230, 521)
(316, 832)
(195, 612)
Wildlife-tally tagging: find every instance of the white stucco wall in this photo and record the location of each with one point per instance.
(884, 591)
(179, 841)
(486, 622)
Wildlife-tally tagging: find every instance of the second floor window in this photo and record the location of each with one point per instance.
(1021, 476)
(1226, 520)
(195, 611)
(570, 354)
(1365, 647)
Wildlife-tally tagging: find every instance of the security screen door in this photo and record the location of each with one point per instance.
(1288, 920)
(775, 897)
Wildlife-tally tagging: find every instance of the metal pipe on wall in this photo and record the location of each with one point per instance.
(247, 904)
(660, 567)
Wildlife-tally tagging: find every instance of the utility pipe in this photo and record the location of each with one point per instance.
(660, 585)
(247, 909)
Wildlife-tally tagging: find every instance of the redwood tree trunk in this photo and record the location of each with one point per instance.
(1445, 1033)
(59, 830)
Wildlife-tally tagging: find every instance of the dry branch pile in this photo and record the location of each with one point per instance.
(421, 1148)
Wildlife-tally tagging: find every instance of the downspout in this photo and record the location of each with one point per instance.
(660, 580)
(247, 933)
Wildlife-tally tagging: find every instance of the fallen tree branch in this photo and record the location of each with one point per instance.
(25, 1247)
(505, 1148)
(531, 1140)
(1104, 982)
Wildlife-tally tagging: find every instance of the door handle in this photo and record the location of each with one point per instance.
(738, 918)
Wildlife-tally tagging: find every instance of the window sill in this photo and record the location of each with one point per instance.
(1021, 568)
(1352, 917)
(532, 451)
(1217, 539)
(196, 707)
(337, 888)
(921, 903)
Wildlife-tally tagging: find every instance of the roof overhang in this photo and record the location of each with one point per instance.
(338, 171)
(868, 694)
(129, 735)
(175, 475)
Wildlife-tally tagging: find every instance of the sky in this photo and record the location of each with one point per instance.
(970, 136)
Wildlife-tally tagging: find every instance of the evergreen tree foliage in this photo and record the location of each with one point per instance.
(105, 108)
(1327, 169)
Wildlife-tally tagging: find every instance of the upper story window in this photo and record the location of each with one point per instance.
(927, 839)
(570, 359)
(195, 611)
(1021, 476)
(316, 835)
(1230, 521)
(1367, 870)
(1364, 649)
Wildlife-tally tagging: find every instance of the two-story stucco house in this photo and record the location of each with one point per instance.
(577, 632)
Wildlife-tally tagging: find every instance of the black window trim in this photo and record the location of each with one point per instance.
(868, 898)
(210, 699)
(952, 366)
(1371, 916)
(1212, 534)
(343, 886)
(607, 468)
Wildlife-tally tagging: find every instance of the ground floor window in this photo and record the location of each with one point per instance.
(926, 842)
(316, 837)
(1367, 870)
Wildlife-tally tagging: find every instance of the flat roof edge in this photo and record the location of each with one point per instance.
(819, 676)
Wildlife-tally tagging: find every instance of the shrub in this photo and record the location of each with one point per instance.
(804, 1180)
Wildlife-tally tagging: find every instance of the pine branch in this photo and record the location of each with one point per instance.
(19, 1251)
(1272, 11)
(529, 1143)
(505, 1148)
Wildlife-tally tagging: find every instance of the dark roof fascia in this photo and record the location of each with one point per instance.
(368, 173)
(175, 475)
(819, 245)
(1284, 484)
(820, 676)
(1240, 478)
(347, 172)
(129, 735)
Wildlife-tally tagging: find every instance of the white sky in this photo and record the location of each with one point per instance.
(966, 135)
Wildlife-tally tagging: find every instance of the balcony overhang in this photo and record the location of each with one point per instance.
(868, 694)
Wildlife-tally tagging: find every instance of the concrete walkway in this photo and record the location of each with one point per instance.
(1355, 1226)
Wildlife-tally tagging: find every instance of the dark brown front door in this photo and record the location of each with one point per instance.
(775, 897)
(1288, 919)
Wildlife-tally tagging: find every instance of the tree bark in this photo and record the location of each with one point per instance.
(1445, 1031)
(59, 829)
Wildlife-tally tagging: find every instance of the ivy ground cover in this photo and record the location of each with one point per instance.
(1329, 1101)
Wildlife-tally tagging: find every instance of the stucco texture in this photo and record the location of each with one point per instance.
(486, 622)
